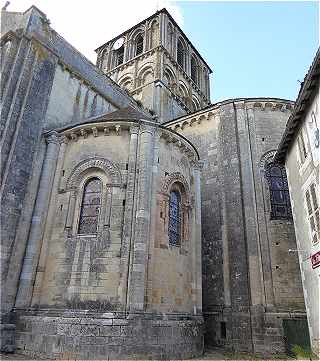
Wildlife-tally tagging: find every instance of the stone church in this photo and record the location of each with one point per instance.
(137, 218)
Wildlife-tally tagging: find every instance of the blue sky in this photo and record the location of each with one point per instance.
(254, 48)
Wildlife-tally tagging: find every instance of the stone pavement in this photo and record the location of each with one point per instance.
(212, 354)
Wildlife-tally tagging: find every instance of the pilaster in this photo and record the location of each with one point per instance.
(48, 226)
(196, 239)
(137, 285)
(128, 224)
(250, 207)
(37, 224)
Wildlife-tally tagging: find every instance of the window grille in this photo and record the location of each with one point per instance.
(139, 45)
(174, 219)
(313, 212)
(90, 207)
(279, 192)
(180, 54)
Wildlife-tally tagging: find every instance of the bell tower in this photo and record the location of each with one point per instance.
(157, 65)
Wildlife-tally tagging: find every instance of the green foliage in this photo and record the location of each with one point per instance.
(302, 352)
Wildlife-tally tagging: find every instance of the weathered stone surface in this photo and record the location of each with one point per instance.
(92, 337)
(72, 291)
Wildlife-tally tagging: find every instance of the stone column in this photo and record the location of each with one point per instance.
(196, 241)
(157, 100)
(154, 211)
(128, 215)
(37, 224)
(48, 227)
(70, 214)
(137, 284)
(257, 246)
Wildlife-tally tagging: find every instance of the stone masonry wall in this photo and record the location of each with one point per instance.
(76, 336)
(246, 266)
(32, 83)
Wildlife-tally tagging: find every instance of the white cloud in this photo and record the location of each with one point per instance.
(89, 24)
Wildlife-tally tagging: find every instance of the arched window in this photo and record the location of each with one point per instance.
(154, 34)
(170, 38)
(90, 207)
(139, 45)
(180, 54)
(120, 55)
(279, 192)
(194, 70)
(195, 104)
(174, 228)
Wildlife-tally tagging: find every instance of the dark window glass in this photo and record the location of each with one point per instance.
(90, 207)
(180, 54)
(174, 219)
(223, 330)
(194, 70)
(139, 45)
(279, 192)
(120, 55)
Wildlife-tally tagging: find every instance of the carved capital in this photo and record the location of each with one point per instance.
(134, 129)
(172, 178)
(147, 129)
(63, 139)
(53, 137)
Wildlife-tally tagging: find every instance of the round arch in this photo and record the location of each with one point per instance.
(103, 164)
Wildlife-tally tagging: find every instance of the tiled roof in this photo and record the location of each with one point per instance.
(308, 88)
(127, 113)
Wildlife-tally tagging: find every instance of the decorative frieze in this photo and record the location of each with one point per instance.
(273, 106)
(106, 165)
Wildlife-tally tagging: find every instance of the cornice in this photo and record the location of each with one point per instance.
(120, 128)
(262, 104)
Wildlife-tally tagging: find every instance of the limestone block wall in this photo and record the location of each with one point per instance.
(45, 83)
(25, 91)
(83, 268)
(113, 286)
(247, 269)
(72, 98)
(81, 336)
(62, 265)
(173, 270)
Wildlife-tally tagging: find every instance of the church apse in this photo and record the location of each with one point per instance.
(104, 265)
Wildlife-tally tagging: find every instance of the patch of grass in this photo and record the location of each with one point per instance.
(299, 351)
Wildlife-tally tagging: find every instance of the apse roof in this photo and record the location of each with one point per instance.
(128, 113)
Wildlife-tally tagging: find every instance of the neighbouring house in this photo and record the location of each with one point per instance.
(299, 150)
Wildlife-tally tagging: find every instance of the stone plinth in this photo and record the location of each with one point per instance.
(7, 337)
(65, 335)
